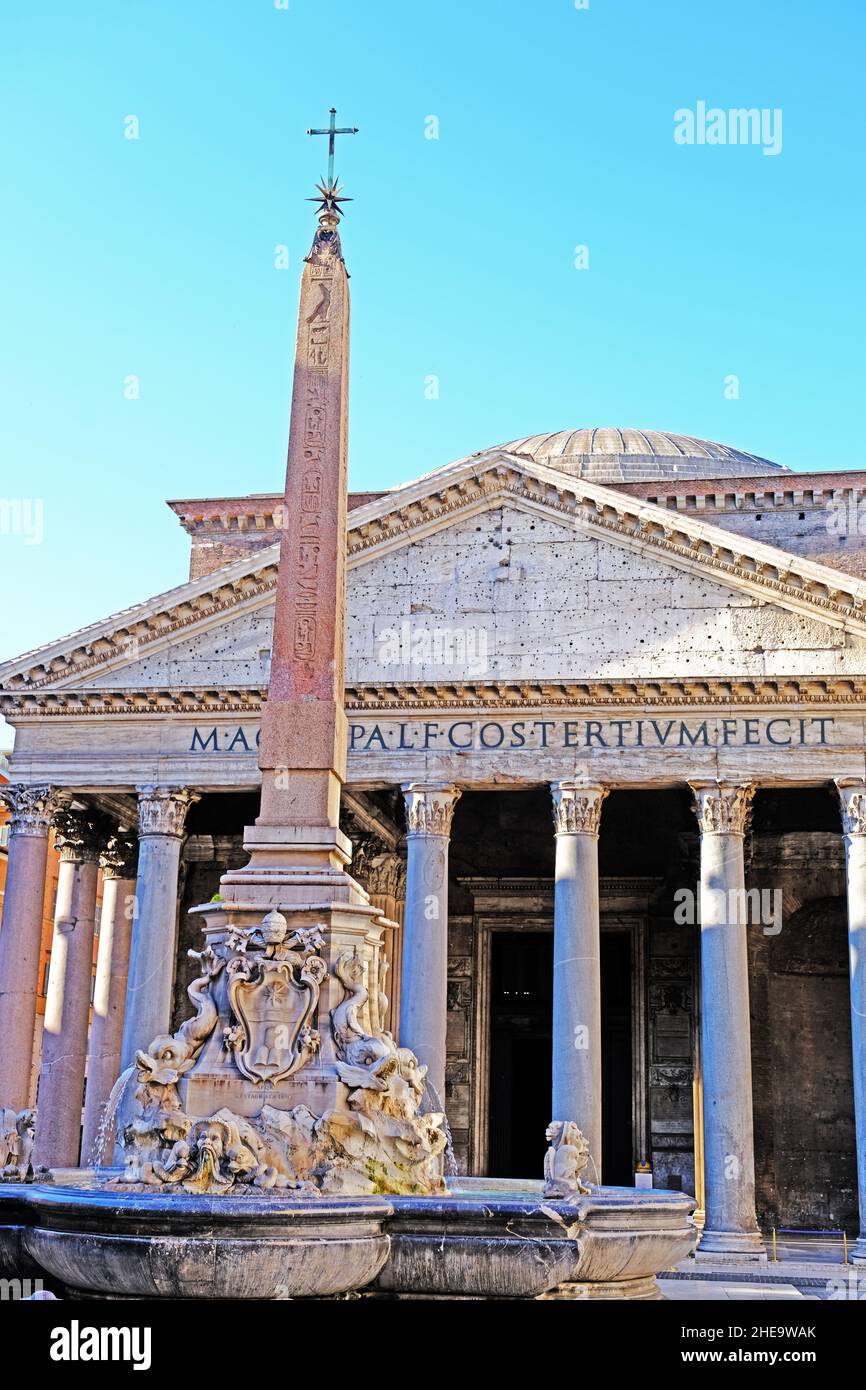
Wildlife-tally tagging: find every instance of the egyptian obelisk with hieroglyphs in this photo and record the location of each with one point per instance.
(302, 750)
(293, 966)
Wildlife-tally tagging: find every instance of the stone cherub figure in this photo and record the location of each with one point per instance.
(565, 1160)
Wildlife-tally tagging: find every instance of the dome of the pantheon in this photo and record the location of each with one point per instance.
(625, 455)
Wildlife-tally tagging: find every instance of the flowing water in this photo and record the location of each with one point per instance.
(434, 1102)
(107, 1120)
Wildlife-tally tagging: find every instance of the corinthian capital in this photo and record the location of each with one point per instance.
(32, 809)
(386, 875)
(723, 808)
(576, 808)
(852, 802)
(429, 809)
(119, 859)
(163, 810)
(80, 835)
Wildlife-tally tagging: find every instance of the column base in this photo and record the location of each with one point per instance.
(731, 1247)
(857, 1252)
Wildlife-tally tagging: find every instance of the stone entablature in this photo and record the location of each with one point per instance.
(644, 745)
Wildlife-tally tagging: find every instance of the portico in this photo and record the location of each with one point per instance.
(666, 717)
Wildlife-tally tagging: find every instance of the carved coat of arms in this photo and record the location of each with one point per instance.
(273, 996)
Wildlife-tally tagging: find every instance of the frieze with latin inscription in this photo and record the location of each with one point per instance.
(513, 735)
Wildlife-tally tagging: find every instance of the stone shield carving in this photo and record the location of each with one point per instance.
(273, 1001)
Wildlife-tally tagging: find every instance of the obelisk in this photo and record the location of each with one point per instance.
(299, 857)
(302, 749)
(285, 1070)
(303, 736)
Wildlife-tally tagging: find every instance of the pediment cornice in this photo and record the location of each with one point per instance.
(432, 503)
(474, 696)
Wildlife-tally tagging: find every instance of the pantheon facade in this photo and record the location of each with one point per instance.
(606, 692)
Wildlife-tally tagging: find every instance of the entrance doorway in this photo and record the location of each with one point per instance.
(521, 1010)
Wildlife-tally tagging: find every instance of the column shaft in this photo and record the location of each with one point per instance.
(577, 964)
(852, 795)
(162, 813)
(109, 995)
(21, 936)
(67, 1010)
(424, 987)
(731, 1227)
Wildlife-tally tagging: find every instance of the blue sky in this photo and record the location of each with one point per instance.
(155, 257)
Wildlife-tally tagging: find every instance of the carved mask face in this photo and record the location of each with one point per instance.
(209, 1141)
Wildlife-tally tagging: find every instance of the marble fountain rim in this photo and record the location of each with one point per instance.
(71, 1192)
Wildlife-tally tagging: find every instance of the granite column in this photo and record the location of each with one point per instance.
(731, 1227)
(577, 963)
(424, 989)
(162, 813)
(852, 795)
(21, 935)
(118, 865)
(80, 836)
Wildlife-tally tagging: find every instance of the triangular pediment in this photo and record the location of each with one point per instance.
(574, 548)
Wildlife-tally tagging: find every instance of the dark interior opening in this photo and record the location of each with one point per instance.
(520, 1054)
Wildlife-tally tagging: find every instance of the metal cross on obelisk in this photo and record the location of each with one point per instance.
(332, 131)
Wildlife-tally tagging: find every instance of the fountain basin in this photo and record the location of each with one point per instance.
(105, 1244)
(487, 1239)
(492, 1239)
(15, 1262)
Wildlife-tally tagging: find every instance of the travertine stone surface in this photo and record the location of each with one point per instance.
(31, 811)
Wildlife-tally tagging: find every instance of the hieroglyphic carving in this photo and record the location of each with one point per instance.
(314, 434)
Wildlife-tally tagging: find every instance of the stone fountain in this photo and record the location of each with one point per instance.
(280, 1143)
